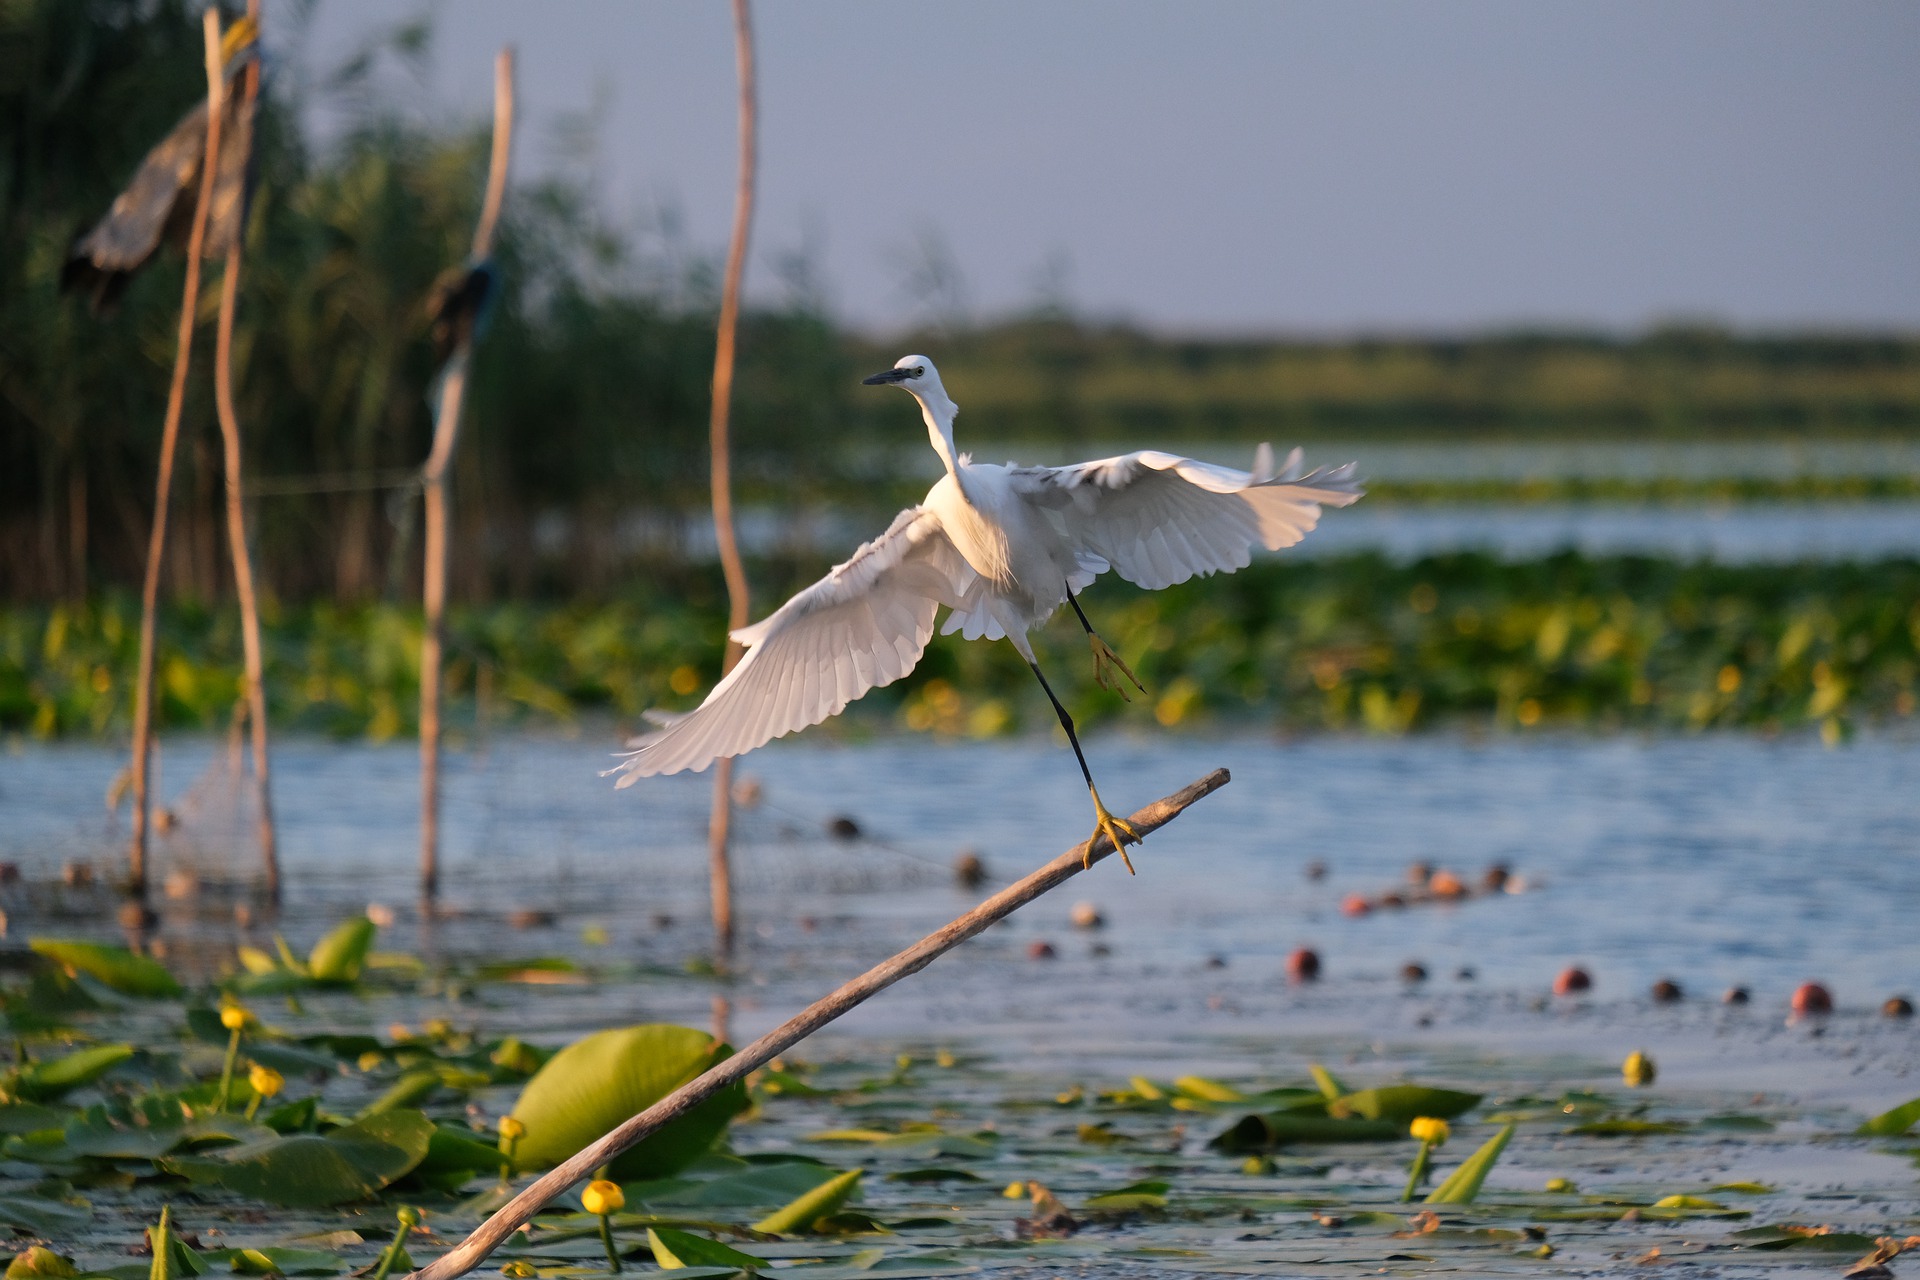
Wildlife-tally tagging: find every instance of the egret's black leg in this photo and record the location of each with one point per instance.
(1117, 830)
(1105, 660)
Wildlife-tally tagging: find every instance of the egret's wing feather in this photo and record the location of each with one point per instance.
(1159, 519)
(863, 625)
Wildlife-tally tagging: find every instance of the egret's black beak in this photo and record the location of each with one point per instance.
(882, 379)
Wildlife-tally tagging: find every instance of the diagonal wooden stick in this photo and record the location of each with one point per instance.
(488, 1236)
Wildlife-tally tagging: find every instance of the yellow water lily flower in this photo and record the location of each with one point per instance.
(602, 1197)
(1430, 1129)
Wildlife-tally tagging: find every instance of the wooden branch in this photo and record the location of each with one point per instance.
(720, 823)
(446, 429)
(169, 441)
(509, 1218)
(237, 517)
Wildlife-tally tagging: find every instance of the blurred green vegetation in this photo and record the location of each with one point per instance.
(1357, 643)
(584, 462)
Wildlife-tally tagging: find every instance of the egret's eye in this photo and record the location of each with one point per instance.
(919, 369)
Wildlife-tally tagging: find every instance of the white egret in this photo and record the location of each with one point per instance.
(1002, 548)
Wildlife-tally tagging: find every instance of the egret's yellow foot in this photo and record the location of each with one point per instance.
(1117, 830)
(1105, 661)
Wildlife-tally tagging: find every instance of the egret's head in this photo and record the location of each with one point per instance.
(911, 373)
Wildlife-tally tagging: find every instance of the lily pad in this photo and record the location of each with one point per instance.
(43, 1216)
(151, 1127)
(338, 958)
(674, 1250)
(1624, 1128)
(113, 967)
(821, 1202)
(1891, 1124)
(1403, 1103)
(1258, 1134)
(594, 1085)
(50, 1079)
(309, 1171)
(1139, 1195)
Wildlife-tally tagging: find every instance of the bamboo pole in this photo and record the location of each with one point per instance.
(169, 441)
(469, 1253)
(237, 521)
(433, 478)
(720, 822)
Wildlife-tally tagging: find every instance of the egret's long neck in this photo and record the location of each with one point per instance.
(939, 412)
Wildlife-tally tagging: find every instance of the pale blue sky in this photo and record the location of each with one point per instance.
(1247, 166)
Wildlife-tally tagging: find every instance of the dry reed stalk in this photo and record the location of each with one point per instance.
(169, 441)
(488, 1236)
(720, 823)
(433, 480)
(237, 523)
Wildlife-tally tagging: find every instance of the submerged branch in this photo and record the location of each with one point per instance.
(488, 1235)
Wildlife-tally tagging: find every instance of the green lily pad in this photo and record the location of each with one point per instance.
(151, 1127)
(43, 1216)
(1891, 1124)
(821, 1202)
(1792, 1236)
(113, 967)
(1258, 1134)
(39, 1263)
(338, 958)
(1139, 1195)
(310, 1171)
(1624, 1128)
(30, 1117)
(594, 1085)
(278, 1261)
(759, 1185)
(674, 1250)
(50, 1079)
(933, 1176)
(1403, 1103)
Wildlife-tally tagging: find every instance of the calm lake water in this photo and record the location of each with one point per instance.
(1712, 860)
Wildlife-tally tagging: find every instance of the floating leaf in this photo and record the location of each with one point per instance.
(1678, 1201)
(674, 1250)
(151, 1127)
(1205, 1090)
(113, 967)
(44, 1217)
(596, 1084)
(1744, 1188)
(1620, 1127)
(1139, 1195)
(338, 958)
(822, 1201)
(1789, 1235)
(1463, 1184)
(30, 1117)
(310, 1171)
(1403, 1103)
(53, 1078)
(933, 1176)
(410, 1088)
(757, 1185)
(38, 1263)
(1891, 1124)
(1257, 1134)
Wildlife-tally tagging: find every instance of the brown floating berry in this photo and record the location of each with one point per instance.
(1811, 997)
(1897, 1007)
(1735, 995)
(1667, 991)
(1303, 964)
(1571, 980)
(1413, 971)
(1040, 949)
(1355, 905)
(1445, 884)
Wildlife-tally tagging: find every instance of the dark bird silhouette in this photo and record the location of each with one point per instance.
(157, 205)
(459, 306)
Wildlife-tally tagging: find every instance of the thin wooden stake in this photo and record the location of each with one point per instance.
(469, 1253)
(720, 824)
(433, 478)
(237, 521)
(169, 441)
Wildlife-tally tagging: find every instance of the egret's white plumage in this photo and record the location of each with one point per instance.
(1000, 547)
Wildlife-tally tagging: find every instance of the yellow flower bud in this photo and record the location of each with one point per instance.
(1562, 1186)
(265, 1080)
(233, 1017)
(408, 1216)
(1638, 1069)
(602, 1198)
(519, 1269)
(512, 1130)
(1430, 1130)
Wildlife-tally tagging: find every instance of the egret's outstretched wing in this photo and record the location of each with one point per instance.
(863, 625)
(1159, 519)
